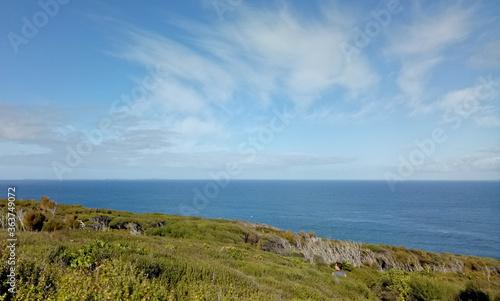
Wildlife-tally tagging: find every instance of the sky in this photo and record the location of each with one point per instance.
(387, 90)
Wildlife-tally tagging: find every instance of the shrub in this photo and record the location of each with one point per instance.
(33, 220)
(60, 254)
(399, 283)
(423, 288)
(288, 235)
(71, 222)
(47, 204)
(347, 266)
(90, 255)
(473, 293)
(53, 225)
(251, 237)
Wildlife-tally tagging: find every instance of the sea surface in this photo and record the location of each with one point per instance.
(440, 216)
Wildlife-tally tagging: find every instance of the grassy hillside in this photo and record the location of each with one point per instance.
(74, 253)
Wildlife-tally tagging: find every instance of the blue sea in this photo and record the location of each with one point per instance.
(440, 216)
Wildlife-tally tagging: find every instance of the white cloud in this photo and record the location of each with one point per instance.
(192, 126)
(432, 32)
(419, 47)
(260, 53)
(461, 102)
(176, 97)
(469, 103)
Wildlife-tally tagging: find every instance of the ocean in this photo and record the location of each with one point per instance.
(461, 217)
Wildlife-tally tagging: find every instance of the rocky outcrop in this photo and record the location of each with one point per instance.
(315, 249)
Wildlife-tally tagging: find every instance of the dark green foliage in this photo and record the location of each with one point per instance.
(60, 255)
(89, 256)
(150, 268)
(472, 293)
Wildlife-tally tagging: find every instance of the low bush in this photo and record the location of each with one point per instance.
(473, 293)
(422, 288)
(33, 220)
(53, 225)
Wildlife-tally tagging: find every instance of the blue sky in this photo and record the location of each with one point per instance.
(395, 90)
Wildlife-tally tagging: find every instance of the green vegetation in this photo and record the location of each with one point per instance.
(77, 253)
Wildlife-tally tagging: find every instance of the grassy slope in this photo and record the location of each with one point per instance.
(189, 258)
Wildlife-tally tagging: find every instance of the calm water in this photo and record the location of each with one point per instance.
(440, 216)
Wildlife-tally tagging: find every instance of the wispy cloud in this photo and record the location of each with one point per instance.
(432, 29)
(419, 47)
(221, 81)
(469, 103)
(267, 53)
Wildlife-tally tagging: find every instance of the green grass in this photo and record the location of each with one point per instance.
(190, 258)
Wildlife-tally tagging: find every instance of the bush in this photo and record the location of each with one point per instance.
(33, 220)
(346, 266)
(288, 235)
(53, 225)
(473, 293)
(374, 248)
(423, 288)
(71, 222)
(399, 283)
(90, 255)
(47, 203)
